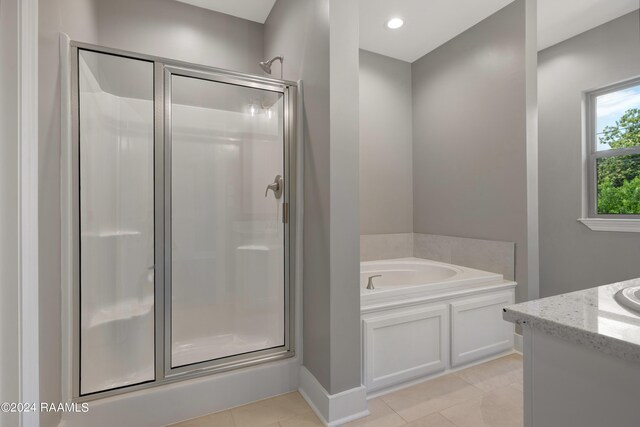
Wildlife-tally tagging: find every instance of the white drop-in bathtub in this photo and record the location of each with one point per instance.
(447, 315)
(409, 278)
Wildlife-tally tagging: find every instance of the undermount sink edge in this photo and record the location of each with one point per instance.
(629, 298)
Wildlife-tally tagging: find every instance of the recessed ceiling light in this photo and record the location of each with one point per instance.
(395, 23)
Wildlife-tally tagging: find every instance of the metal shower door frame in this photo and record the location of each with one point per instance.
(163, 69)
(230, 362)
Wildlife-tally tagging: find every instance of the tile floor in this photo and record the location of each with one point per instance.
(487, 395)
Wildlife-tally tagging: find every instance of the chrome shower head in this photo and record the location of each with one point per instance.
(266, 65)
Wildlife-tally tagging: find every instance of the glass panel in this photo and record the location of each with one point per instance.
(116, 221)
(619, 185)
(618, 119)
(227, 238)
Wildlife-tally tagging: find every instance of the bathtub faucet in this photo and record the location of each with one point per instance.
(370, 282)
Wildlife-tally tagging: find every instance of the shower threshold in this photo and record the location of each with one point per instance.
(217, 347)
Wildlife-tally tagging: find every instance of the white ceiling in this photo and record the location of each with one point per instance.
(253, 10)
(430, 23)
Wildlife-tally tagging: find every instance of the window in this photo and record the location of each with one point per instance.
(613, 157)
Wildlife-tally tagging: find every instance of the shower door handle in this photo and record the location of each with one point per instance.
(276, 186)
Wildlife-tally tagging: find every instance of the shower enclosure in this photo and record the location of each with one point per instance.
(183, 220)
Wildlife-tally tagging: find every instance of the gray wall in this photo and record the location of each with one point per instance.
(345, 219)
(531, 93)
(470, 136)
(77, 18)
(573, 257)
(9, 291)
(328, 66)
(159, 27)
(293, 29)
(179, 31)
(386, 189)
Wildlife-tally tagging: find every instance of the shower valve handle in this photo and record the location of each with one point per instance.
(276, 186)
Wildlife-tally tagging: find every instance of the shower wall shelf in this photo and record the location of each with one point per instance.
(120, 233)
(122, 310)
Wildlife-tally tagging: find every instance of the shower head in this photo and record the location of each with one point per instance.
(266, 65)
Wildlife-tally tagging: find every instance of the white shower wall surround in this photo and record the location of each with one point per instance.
(487, 255)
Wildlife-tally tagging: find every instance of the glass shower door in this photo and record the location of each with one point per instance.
(115, 229)
(226, 235)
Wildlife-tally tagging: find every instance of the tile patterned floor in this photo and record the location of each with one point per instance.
(486, 395)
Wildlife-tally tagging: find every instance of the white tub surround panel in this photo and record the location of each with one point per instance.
(488, 255)
(591, 318)
(585, 351)
(386, 246)
(425, 317)
(431, 246)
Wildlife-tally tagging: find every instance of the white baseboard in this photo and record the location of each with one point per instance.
(333, 409)
(171, 403)
(518, 343)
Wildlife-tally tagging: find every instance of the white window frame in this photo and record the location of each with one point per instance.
(590, 216)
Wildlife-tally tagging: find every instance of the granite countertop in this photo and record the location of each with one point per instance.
(591, 317)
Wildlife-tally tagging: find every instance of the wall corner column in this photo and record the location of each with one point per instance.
(531, 73)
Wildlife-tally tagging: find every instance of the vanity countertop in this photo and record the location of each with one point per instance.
(590, 317)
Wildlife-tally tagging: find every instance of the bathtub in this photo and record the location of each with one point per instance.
(446, 317)
(409, 278)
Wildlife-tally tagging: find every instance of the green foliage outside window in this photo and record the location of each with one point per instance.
(619, 176)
